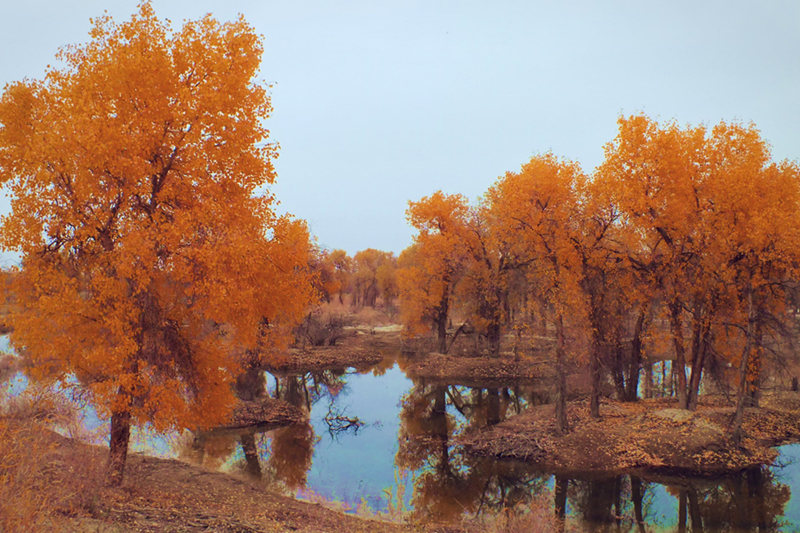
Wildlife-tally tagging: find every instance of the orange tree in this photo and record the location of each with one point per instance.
(755, 210)
(657, 176)
(711, 230)
(428, 270)
(539, 210)
(149, 262)
(373, 273)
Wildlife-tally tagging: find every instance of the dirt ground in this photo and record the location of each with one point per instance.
(477, 371)
(160, 495)
(361, 349)
(650, 435)
(264, 412)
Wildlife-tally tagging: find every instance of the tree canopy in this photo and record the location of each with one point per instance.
(152, 258)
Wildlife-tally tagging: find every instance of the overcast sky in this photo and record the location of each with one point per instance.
(380, 102)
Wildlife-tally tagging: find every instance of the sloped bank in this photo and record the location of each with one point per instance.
(168, 495)
(649, 435)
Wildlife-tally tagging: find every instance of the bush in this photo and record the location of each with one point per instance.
(322, 329)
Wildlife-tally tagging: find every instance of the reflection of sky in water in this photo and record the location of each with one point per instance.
(663, 509)
(353, 467)
(789, 475)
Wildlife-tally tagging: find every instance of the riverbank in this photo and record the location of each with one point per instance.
(361, 348)
(169, 495)
(648, 435)
(165, 495)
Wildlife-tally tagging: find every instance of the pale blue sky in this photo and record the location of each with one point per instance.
(377, 103)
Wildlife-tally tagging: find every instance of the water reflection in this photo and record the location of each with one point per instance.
(281, 455)
(448, 483)
(418, 422)
(617, 503)
(750, 501)
(339, 457)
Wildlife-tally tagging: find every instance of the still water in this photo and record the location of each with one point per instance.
(404, 450)
(380, 439)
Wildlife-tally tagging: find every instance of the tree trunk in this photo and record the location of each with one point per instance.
(694, 512)
(736, 424)
(493, 408)
(618, 376)
(493, 337)
(441, 330)
(755, 366)
(699, 351)
(442, 311)
(562, 484)
(682, 511)
(636, 496)
(439, 428)
(680, 353)
(594, 362)
(594, 400)
(648, 378)
(697, 373)
(252, 466)
(632, 385)
(561, 378)
(118, 447)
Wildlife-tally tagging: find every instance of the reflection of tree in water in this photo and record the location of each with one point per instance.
(618, 503)
(317, 386)
(450, 483)
(287, 452)
(283, 454)
(750, 501)
(291, 448)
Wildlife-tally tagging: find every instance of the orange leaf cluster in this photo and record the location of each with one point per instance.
(152, 259)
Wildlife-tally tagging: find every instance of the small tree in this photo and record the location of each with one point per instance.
(149, 265)
(429, 269)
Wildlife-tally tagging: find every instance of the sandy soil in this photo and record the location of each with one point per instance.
(360, 350)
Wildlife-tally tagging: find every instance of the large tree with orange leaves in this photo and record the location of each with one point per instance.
(712, 230)
(541, 211)
(150, 265)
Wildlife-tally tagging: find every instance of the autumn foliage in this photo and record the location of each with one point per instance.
(684, 240)
(153, 265)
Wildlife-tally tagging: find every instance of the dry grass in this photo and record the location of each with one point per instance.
(40, 483)
(363, 316)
